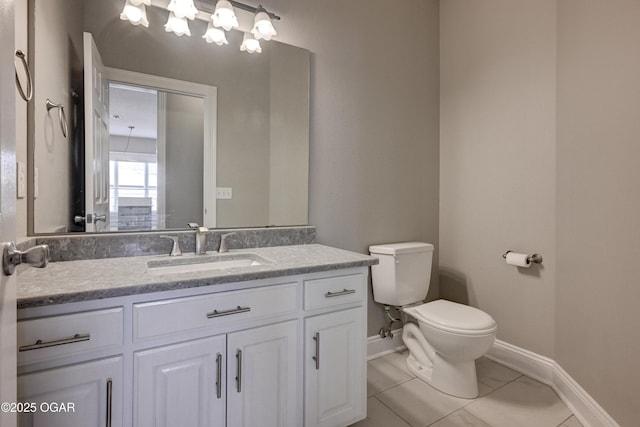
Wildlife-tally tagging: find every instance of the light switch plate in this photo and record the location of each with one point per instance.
(224, 193)
(21, 180)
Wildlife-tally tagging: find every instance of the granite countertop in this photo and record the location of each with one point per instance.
(74, 281)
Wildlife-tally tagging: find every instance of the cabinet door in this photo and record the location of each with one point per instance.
(181, 384)
(83, 395)
(335, 369)
(262, 376)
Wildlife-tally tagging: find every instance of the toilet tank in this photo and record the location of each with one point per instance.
(403, 275)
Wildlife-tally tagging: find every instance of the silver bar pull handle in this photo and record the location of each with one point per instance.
(62, 341)
(316, 338)
(239, 370)
(219, 376)
(220, 313)
(340, 293)
(109, 402)
(29, 95)
(37, 256)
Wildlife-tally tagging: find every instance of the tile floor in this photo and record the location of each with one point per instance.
(507, 399)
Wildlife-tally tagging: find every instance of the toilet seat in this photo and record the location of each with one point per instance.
(452, 317)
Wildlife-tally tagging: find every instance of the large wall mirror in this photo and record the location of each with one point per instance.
(134, 128)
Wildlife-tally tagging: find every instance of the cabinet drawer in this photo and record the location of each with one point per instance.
(166, 317)
(48, 338)
(326, 292)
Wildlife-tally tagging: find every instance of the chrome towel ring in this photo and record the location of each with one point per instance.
(29, 95)
(61, 115)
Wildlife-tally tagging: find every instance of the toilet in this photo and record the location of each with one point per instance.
(448, 336)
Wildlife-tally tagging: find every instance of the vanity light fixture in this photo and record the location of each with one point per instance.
(224, 16)
(250, 44)
(215, 35)
(262, 26)
(183, 9)
(179, 26)
(135, 12)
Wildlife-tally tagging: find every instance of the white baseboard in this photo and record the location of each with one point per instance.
(378, 347)
(547, 371)
(533, 365)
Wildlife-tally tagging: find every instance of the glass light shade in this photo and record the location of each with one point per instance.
(224, 16)
(135, 13)
(139, 2)
(215, 35)
(262, 27)
(179, 26)
(250, 44)
(183, 9)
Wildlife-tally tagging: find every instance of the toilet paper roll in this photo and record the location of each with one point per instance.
(519, 260)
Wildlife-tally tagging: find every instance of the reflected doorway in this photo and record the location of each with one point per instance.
(161, 155)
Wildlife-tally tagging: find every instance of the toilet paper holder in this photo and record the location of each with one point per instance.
(535, 258)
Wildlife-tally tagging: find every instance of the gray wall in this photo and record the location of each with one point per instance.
(58, 38)
(184, 166)
(539, 152)
(598, 201)
(497, 162)
(289, 142)
(374, 121)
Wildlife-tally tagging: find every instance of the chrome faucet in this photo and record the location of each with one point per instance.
(223, 243)
(201, 238)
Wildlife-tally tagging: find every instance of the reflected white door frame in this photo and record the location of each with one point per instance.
(209, 95)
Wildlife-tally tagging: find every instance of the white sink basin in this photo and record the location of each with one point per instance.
(190, 264)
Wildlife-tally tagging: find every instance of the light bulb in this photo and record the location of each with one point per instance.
(135, 13)
(177, 25)
(262, 27)
(224, 16)
(183, 9)
(250, 44)
(215, 35)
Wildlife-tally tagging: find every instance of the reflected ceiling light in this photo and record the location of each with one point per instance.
(250, 44)
(179, 26)
(215, 35)
(135, 12)
(224, 16)
(183, 9)
(262, 26)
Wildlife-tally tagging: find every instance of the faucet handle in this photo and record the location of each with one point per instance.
(223, 242)
(175, 250)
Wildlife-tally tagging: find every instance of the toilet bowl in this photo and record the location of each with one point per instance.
(444, 338)
(445, 343)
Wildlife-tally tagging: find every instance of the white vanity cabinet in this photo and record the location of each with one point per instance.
(83, 394)
(277, 352)
(262, 376)
(245, 379)
(181, 384)
(335, 374)
(80, 395)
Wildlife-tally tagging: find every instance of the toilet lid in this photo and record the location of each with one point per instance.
(453, 317)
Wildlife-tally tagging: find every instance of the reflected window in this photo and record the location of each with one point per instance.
(133, 194)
